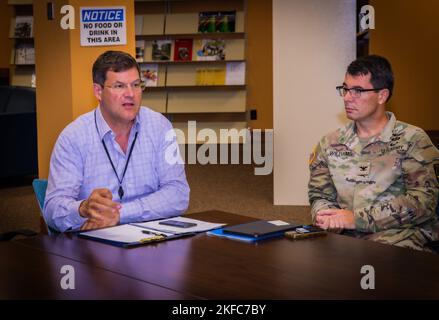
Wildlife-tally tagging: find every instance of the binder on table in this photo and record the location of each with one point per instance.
(260, 228)
(135, 234)
(220, 233)
(128, 235)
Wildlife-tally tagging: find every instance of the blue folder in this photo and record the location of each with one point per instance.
(221, 234)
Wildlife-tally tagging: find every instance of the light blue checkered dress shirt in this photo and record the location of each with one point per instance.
(153, 187)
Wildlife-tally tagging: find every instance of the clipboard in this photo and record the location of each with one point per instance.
(129, 235)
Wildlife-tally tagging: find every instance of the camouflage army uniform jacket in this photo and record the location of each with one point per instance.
(388, 182)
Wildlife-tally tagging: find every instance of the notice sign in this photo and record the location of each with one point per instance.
(103, 26)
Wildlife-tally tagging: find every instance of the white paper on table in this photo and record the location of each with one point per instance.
(124, 233)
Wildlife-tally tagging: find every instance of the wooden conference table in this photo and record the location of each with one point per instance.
(207, 267)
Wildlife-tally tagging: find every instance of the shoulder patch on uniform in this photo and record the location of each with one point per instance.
(312, 156)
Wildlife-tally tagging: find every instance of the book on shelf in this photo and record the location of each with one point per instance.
(235, 73)
(183, 50)
(210, 76)
(140, 50)
(23, 27)
(24, 54)
(210, 49)
(216, 21)
(161, 50)
(149, 74)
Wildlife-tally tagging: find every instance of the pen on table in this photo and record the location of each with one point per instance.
(150, 232)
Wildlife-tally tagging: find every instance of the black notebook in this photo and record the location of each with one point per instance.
(260, 228)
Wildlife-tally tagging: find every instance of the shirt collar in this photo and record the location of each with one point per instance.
(104, 128)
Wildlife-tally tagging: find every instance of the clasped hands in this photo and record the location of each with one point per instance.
(335, 220)
(100, 210)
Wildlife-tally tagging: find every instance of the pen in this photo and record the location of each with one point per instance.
(154, 233)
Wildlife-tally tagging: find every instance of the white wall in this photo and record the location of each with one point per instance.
(313, 42)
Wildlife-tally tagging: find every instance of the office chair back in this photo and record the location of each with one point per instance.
(40, 186)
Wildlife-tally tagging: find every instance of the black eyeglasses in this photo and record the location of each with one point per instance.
(355, 92)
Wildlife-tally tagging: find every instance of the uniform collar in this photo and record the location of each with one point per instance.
(351, 139)
(387, 132)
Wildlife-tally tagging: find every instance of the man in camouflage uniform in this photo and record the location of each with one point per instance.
(375, 177)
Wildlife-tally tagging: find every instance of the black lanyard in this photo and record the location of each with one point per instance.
(120, 191)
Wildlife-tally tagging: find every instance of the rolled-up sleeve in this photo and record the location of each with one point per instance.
(322, 193)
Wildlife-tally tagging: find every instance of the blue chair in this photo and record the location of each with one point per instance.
(40, 186)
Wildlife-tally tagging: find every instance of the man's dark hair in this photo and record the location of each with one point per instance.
(381, 74)
(115, 61)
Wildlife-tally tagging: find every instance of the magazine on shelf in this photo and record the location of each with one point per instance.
(235, 73)
(210, 76)
(140, 50)
(23, 27)
(161, 50)
(24, 54)
(211, 49)
(149, 74)
(183, 50)
(216, 21)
